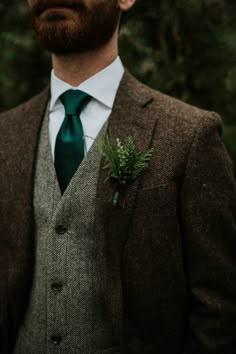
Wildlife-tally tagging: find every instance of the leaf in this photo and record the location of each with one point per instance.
(124, 161)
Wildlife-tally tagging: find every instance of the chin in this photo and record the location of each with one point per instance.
(58, 40)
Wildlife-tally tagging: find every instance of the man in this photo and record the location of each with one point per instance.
(79, 275)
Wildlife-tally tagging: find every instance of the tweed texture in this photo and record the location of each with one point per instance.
(166, 260)
(77, 312)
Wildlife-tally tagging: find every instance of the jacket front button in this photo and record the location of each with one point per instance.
(60, 229)
(55, 340)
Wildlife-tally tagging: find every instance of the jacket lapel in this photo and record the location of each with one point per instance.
(19, 138)
(112, 223)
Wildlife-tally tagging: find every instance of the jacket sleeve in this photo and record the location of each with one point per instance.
(209, 230)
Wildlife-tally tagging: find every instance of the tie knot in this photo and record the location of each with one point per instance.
(74, 101)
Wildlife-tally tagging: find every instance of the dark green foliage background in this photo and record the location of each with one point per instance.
(185, 48)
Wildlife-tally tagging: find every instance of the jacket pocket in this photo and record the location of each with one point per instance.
(161, 199)
(110, 350)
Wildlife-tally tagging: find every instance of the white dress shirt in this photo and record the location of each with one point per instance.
(102, 87)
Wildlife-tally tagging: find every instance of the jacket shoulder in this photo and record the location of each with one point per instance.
(176, 124)
(168, 110)
(25, 107)
(178, 112)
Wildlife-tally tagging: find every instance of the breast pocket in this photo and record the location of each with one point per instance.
(160, 200)
(110, 350)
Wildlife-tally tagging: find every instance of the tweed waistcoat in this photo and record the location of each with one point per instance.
(66, 312)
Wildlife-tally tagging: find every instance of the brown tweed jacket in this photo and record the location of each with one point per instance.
(168, 259)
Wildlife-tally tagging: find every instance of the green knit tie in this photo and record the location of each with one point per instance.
(69, 148)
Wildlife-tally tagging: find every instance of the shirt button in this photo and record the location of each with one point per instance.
(56, 287)
(55, 340)
(60, 229)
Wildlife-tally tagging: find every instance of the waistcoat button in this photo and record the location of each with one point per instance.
(55, 339)
(56, 286)
(60, 229)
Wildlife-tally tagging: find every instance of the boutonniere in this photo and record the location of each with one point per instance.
(124, 162)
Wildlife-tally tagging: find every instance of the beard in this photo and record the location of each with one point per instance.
(80, 28)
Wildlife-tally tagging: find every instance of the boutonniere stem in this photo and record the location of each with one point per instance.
(116, 198)
(124, 163)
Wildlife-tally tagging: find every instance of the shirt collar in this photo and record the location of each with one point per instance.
(102, 86)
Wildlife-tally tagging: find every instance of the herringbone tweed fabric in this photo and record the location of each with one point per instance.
(75, 313)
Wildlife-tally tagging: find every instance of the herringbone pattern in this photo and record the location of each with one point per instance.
(77, 312)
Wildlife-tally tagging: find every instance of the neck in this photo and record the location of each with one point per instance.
(76, 68)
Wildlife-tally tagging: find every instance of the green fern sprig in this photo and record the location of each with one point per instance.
(124, 161)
